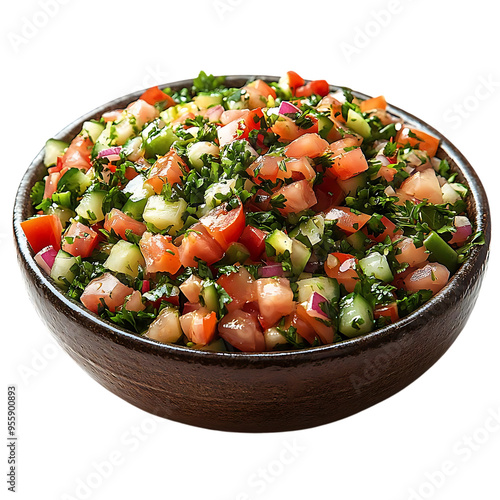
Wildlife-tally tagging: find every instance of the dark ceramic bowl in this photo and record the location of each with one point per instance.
(277, 391)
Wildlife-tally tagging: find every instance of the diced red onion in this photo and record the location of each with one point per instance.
(112, 154)
(271, 270)
(287, 107)
(145, 286)
(464, 230)
(313, 306)
(45, 258)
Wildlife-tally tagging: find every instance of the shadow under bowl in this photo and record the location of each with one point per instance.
(261, 392)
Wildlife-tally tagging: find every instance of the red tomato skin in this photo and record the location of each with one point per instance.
(78, 154)
(324, 332)
(119, 222)
(347, 220)
(425, 142)
(349, 164)
(224, 226)
(154, 95)
(275, 299)
(198, 243)
(51, 184)
(84, 238)
(387, 311)
(319, 87)
(199, 326)
(42, 231)
(241, 329)
(432, 276)
(240, 287)
(294, 80)
(390, 230)
(254, 240)
(328, 193)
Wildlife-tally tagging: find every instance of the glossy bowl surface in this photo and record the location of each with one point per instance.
(261, 392)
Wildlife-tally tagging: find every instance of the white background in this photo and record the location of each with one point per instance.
(438, 60)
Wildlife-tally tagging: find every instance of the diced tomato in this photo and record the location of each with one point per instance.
(387, 311)
(142, 111)
(79, 240)
(154, 95)
(112, 116)
(275, 298)
(78, 154)
(160, 254)
(387, 173)
(299, 196)
(319, 87)
(410, 253)
(169, 168)
(197, 242)
(259, 91)
(340, 146)
(265, 167)
(293, 80)
(190, 307)
(311, 145)
(254, 240)
(373, 103)
(134, 302)
(181, 119)
(342, 267)
(423, 185)
(390, 230)
(324, 332)
(241, 329)
(347, 220)
(105, 288)
(230, 115)
(224, 225)
(240, 128)
(191, 288)
(349, 164)
(420, 140)
(328, 193)
(119, 222)
(42, 231)
(51, 184)
(304, 329)
(199, 326)
(287, 129)
(297, 169)
(240, 287)
(432, 276)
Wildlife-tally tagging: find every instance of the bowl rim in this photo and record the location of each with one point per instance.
(381, 336)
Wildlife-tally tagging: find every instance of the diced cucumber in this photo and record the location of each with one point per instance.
(441, 252)
(210, 297)
(280, 242)
(327, 287)
(459, 188)
(376, 265)
(63, 199)
(90, 206)
(236, 252)
(64, 213)
(135, 208)
(157, 140)
(207, 99)
(61, 269)
(356, 316)
(223, 188)
(140, 192)
(312, 229)
(350, 186)
(93, 129)
(163, 214)
(325, 126)
(196, 150)
(300, 256)
(174, 112)
(104, 140)
(74, 180)
(125, 257)
(357, 240)
(53, 149)
(357, 123)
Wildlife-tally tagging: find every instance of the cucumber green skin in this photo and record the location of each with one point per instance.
(93, 129)
(75, 180)
(236, 252)
(357, 123)
(62, 268)
(375, 264)
(353, 307)
(211, 298)
(350, 186)
(159, 144)
(357, 240)
(441, 252)
(134, 208)
(299, 257)
(325, 125)
(279, 241)
(63, 199)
